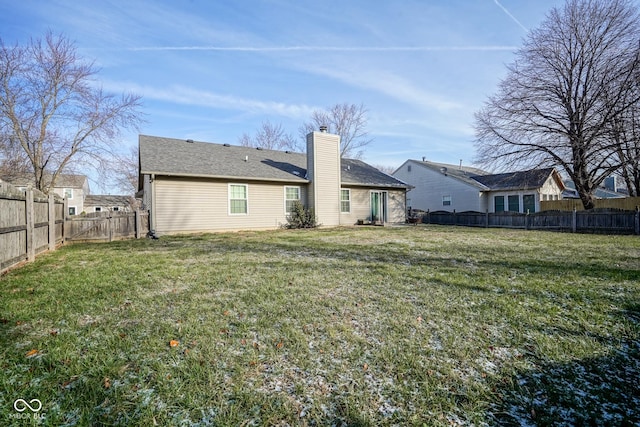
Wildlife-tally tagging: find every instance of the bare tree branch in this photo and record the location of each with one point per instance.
(572, 79)
(50, 105)
(270, 137)
(347, 120)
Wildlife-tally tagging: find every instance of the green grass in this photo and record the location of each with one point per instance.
(359, 326)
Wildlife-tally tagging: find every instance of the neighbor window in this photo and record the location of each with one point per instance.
(68, 193)
(498, 203)
(291, 195)
(408, 168)
(514, 203)
(238, 199)
(345, 200)
(98, 209)
(72, 210)
(529, 203)
(446, 200)
(115, 208)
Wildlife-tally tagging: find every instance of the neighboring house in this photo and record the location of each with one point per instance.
(72, 187)
(107, 203)
(440, 186)
(197, 186)
(570, 191)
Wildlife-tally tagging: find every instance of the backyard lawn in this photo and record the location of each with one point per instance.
(421, 325)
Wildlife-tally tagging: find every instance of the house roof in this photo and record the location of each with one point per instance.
(462, 173)
(484, 181)
(523, 180)
(63, 181)
(176, 157)
(106, 200)
(570, 192)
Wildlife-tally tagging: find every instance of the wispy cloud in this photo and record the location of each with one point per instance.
(504, 9)
(184, 95)
(324, 48)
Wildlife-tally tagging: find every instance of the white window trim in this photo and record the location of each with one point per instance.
(64, 193)
(97, 209)
(229, 199)
(287, 200)
(450, 200)
(75, 208)
(349, 191)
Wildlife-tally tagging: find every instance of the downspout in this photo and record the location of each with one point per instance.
(152, 214)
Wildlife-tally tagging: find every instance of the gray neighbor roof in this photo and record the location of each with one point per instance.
(63, 181)
(106, 200)
(177, 157)
(485, 181)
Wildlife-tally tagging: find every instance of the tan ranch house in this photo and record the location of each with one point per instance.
(191, 186)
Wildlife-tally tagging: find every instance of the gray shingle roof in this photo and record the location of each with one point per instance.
(63, 180)
(170, 156)
(523, 180)
(463, 173)
(107, 200)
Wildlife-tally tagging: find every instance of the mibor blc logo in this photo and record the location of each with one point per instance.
(20, 405)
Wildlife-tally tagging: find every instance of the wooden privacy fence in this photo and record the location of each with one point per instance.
(592, 221)
(624, 203)
(32, 223)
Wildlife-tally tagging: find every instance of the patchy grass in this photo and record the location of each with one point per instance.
(366, 326)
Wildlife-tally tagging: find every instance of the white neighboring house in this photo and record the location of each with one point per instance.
(446, 187)
(72, 187)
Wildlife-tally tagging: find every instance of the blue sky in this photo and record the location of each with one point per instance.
(213, 70)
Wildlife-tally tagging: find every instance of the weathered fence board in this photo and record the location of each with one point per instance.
(32, 223)
(625, 203)
(593, 221)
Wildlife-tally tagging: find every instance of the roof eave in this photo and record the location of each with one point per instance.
(227, 177)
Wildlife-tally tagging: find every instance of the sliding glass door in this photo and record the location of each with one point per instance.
(379, 206)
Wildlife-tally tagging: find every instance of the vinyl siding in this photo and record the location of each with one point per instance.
(361, 206)
(431, 186)
(323, 151)
(186, 205)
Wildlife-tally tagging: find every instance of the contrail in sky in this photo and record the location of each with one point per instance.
(504, 9)
(323, 48)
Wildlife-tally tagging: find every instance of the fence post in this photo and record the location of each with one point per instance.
(65, 211)
(31, 253)
(52, 222)
(527, 218)
(486, 219)
(455, 220)
(574, 221)
(109, 224)
(637, 225)
(428, 217)
(138, 224)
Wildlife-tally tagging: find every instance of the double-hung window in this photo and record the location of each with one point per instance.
(446, 200)
(345, 200)
(291, 196)
(498, 204)
(238, 199)
(68, 193)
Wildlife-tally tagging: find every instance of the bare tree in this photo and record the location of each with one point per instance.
(270, 137)
(347, 120)
(385, 168)
(625, 131)
(124, 169)
(572, 78)
(52, 107)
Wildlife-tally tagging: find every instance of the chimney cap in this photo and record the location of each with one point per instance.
(323, 128)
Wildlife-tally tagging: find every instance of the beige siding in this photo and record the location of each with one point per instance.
(323, 151)
(361, 206)
(186, 205)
